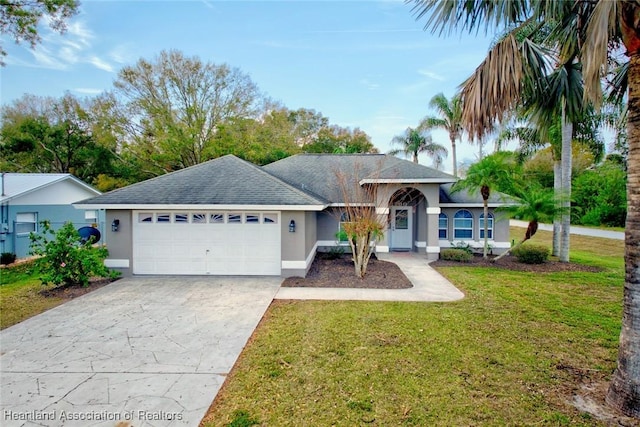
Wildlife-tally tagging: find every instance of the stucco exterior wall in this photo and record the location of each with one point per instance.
(498, 244)
(119, 243)
(294, 261)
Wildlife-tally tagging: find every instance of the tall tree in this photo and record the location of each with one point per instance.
(450, 120)
(175, 104)
(413, 142)
(486, 176)
(604, 27)
(52, 135)
(19, 18)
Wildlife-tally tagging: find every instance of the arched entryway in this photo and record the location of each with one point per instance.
(404, 221)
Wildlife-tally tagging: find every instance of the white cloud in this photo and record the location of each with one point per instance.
(100, 64)
(369, 84)
(88, 90)
(432, 75)
(60, 52)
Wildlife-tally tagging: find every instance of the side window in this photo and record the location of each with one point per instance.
(443, 226)
(489, 226)
(26, 222)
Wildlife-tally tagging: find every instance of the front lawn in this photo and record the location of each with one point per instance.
(515, 351)
(20, 295)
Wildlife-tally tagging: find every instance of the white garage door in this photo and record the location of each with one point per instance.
(223, 243)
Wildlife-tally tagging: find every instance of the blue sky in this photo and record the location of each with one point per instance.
(365, 64)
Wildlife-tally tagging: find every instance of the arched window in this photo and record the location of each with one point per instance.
(489, 226)
(463, 225)
(443, 226)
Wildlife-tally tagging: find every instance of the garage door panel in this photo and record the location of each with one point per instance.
(206, 248)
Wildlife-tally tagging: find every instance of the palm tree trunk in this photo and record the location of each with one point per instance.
(567, 133)
(455, 157)
(557, 189)
(624, 390)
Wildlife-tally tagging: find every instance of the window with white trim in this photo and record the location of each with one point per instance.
(489, 226)
(91, 216)
(26, 222)
(443, 226)
(463, 225)
(342, 235)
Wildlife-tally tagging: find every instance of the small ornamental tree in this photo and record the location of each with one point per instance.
(361, 223)
(64, 259)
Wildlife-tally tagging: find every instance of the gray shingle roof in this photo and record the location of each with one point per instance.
(464, 197)
(316, 173)
(226, 180)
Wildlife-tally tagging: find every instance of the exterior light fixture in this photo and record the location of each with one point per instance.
(292, 226)
(115, 225)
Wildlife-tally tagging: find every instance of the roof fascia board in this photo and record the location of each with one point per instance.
(407, 181)
(201, 207)
(472, 205)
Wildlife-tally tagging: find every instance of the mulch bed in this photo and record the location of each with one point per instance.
(510, 262)
(71, 292)
(340, 273)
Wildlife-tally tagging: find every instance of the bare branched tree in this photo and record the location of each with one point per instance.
(361, 222)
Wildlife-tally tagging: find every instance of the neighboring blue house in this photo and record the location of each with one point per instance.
(28, 198)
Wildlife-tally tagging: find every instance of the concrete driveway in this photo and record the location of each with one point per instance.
(141, 351)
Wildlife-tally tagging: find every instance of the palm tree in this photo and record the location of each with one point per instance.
(487, 175)
(534, 204)
(414, 141)
(450, 113)
(605, 27)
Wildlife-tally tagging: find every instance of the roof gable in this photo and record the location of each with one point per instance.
(316, 173)
(226, 180)
(17, 185)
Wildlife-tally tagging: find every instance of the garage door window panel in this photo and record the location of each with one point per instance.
(269, 218)
(235, 218)
(181, 218)
(163, 218)
(145, 217)
(199, 218)
(216, 218)
(252, 218)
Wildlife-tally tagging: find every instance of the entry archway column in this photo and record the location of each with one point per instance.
(433, 242)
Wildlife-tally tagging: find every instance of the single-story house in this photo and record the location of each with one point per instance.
(231, 217)
(29, 198)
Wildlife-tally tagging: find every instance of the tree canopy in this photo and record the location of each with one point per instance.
(19, 19)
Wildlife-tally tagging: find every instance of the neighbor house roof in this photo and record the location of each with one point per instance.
(226, 181)
(318, 173)
(14, 185)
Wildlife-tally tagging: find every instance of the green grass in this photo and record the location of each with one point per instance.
(20, 296)
(511, 353)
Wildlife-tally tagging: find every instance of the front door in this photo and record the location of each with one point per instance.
(401, 227)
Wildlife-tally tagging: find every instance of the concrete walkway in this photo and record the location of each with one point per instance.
(142, 351)
(582, 231)
(428, 285)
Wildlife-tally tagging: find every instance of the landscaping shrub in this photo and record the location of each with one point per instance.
(7, 258)
(531, 254)
(65, 259)
(458, 255)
